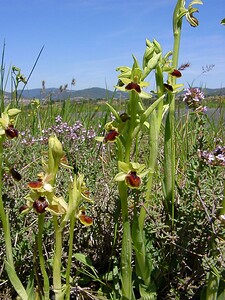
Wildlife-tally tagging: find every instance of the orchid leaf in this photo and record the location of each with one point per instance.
(16, 281)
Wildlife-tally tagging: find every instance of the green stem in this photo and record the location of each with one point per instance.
(169, 145)
(41, 256)
(160, 93)
(57, 284)
(153, 151)
(132, 112)
(69, 262)
(154, 129)
(222, 212)
(126, 253)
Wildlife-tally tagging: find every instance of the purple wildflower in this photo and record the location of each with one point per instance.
(214, 158)
(193, 98)
(73, 134)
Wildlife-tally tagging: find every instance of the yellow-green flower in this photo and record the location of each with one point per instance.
(7, 123)
(42, 198)
(130, 80)
(131, 173)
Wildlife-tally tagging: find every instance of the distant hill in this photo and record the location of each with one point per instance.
(93, 93)
(214, 92)
(56, 94)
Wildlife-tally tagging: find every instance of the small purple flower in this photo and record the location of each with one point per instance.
(58, 119)
(193, 98)
(215, 157)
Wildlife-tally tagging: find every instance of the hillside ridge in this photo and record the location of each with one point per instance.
(91, 93)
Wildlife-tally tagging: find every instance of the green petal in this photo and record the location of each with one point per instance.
(194, 2)
(123, 69)
(47, 187)
(144, 173)
(54, 211)
(99, 138)
(143, 84)
(125, 80)
(137, 167)
(113, 111)
(134, 166)
(120, 88)
(123, 166)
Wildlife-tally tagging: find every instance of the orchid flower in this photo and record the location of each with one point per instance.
(7, 123)
(131, 173)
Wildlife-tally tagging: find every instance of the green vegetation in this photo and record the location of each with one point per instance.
(115, 199)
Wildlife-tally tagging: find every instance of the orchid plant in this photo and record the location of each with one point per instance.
(125, 131)
(42, 200)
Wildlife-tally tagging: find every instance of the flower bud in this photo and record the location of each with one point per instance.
(55, 147)
(15, 174)
(192, 20)
(124, 117)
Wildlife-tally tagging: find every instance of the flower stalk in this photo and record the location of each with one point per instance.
(169, 144)
(41, 256)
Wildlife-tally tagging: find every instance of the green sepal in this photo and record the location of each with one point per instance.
(13, 112)
(120, 176)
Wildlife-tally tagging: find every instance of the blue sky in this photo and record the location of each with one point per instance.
(88, 39)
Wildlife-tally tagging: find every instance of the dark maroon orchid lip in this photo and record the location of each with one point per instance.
(40, 205)
(133, 180)
(176, 73)
(168, 87)
(133, 86)
(11, 132)
(35, 184)
(111, 136)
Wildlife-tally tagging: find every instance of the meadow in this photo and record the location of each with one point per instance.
(181, 259)
(115, 199)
